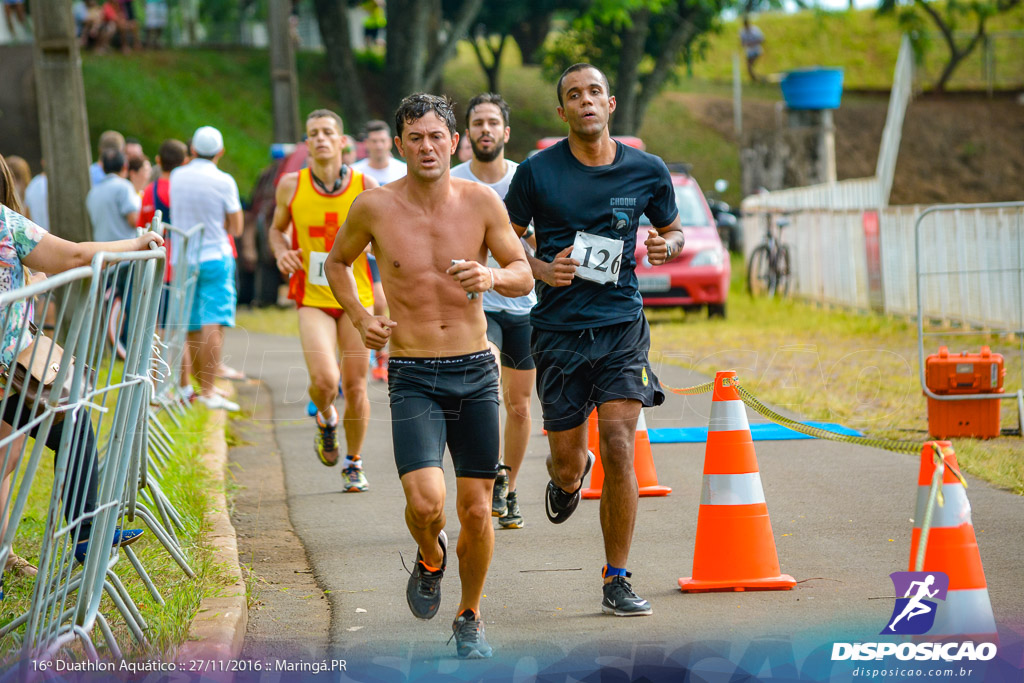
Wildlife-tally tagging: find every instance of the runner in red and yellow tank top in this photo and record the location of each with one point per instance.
(314, 202)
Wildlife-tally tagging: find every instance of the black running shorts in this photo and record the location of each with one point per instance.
(578, 370)
(511, 334)
(438, 401)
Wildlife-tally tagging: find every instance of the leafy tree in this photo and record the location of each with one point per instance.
(527, 22)
(951, 18)
(332, 18)
(638, 44)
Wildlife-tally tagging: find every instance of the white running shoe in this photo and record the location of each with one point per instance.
(218, 402)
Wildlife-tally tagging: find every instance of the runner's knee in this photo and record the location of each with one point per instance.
(425, 509)
(567, 470)
(475, 514)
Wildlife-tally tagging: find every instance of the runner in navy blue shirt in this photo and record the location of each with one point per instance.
(585, 196)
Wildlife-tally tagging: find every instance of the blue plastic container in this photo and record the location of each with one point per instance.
(813, 88)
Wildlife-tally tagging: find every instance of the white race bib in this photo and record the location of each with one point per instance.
(316, 273)
(599, 258)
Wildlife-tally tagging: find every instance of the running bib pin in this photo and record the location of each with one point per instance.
(599, 258)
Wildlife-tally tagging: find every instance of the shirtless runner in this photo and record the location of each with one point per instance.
(443, 380)
(315, 201)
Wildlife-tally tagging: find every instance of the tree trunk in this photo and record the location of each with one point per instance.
(530, 35)
(405, 62)
(284, 82)
(493, 69)
(62, 118)
(682, 35)
(332, 17)
(459, 29)
(956, 55)
(627, 78)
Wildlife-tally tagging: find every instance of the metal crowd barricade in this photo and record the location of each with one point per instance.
(180, 292)
(970, 270)
(67, 592)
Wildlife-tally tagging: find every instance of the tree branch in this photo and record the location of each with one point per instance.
(468, 11)
(651, 84)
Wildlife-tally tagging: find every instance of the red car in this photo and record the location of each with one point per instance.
(700, 275)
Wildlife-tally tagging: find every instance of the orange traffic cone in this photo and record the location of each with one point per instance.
(952, 548)
(735, 548)
(643, 461)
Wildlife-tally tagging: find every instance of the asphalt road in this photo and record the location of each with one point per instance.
(840, 514)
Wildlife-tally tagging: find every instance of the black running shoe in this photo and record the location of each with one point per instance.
(498, 507)
(512, 519)
(560, 505)
(423, 592)
(620, 600)
(468, 631)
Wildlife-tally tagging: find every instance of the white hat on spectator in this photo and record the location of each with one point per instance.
(207, 141)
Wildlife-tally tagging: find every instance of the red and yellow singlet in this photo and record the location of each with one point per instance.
(316, 217)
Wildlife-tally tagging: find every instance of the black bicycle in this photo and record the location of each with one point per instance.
(769, 269)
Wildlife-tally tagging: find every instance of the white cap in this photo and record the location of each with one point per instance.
(207, 141)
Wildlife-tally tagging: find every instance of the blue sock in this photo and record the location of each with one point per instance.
(609, 570)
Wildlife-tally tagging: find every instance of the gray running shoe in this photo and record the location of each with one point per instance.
(498, 507)
(512, 519)
(620, 600)
(468, 631)
(423, 592)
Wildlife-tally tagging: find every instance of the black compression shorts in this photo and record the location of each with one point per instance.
(453, 400)
(511, 334)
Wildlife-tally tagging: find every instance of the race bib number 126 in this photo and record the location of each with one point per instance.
(599, 257)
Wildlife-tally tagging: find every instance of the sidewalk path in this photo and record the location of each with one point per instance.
(841, 517)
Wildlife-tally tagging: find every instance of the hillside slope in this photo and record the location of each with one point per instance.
(963, 148)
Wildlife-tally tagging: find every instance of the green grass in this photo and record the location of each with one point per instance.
(187, 482)
(833, 365)
(864, 45)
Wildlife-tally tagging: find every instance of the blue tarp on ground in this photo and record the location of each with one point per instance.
(759, 432)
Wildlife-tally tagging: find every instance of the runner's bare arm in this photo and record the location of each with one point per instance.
(288, 260)
(352, 239)
(557, 273)
(515, 278)
(664, 244)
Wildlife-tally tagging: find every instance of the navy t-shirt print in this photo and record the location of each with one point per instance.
(562, 196)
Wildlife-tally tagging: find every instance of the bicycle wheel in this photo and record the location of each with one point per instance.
(759, 272)
(782, 271)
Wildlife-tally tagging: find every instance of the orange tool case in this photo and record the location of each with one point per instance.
(964, 373)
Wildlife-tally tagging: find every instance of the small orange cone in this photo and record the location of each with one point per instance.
(643, 461)
(735, 548)
(952, 548)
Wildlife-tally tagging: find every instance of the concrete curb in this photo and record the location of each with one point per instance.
(218, 629)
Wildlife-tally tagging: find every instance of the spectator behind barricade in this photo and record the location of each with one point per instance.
(91, 28)
(139, 172)
(157, 197)
(752, 40)
(113, 203)
(21, 173)
(36, 201)
(109, 139)
(133, 148)
(202, 193)
(465, 150)
(380, 164)
(15, 9)
(156, 22)
(23, 244)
